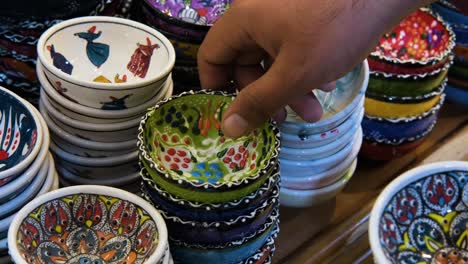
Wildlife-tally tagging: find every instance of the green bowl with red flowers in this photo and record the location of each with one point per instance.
(185, 152)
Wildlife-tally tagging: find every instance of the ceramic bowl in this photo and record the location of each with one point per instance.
(107, 181)
(304, 141)
(97, 223)
(424, 27)
(457, 95)
(420, 217)
(338, 105)
(21, 135)
(91, 115)
(382, 66)
(397, 110)
(307, 198)
(185, 50)
(115, 132)
(379, 151)
(105, 62)
(181, 139)
(312, 167)
(454, 18)
(322, 151)
(86, 152)
(436, 69)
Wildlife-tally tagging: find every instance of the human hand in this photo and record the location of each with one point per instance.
(310, 44)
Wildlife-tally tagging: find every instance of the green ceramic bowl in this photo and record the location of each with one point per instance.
(405, 87)
(181, 139)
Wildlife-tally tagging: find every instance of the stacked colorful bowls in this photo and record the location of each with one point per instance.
(27, 168)
(457, 88)
(99, 75)
(88, 225)
(318, 159)
(186, 24)
(219, 196)
(408, 77)
(23, 23)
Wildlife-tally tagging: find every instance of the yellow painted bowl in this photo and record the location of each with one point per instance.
(383, 109)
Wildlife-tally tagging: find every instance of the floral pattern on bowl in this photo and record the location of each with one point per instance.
(182, 137)
(421, 38)
(87, 228)
(425, 222)
(199, 12)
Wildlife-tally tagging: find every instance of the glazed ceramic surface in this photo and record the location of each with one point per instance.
(86, 152)
(422, 38)
(456, 19)
(105, 63)
(182, 137)
(21, 135)
(307, 198)
(380, 151)
(421, 216)
(105, 180)
(92, 115)
(337, 105)
(382, 109)
(382, 66)
(85, 224)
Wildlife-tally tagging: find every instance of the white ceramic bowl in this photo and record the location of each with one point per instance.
(307, 198)
(322, 151)
(86, 152)
(107, 181)
(91, 131)
(321, 139)
(418, 191)
(16, 116)
(91, 115)
(78, 54)
(103, 191)
(312, 167)
(338, 105)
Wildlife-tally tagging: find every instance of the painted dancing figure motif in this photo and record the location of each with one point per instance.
(141, 59)
(97, 53)
(59, 61)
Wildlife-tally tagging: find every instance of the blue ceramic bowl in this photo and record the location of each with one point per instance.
(462, 35)
(457, 95)
(20, 135)
(422, 216)
(452, 17)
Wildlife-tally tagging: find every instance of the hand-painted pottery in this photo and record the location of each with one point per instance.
(21, 135)
(185, 50)
(379, 151)
(106, 63)
(404, 87)
(263, 255)
(397, 110)
(422, 38)
(337, 105)
(230, 255)
(415, 77)
(304, 141)
(201, 214)
(421, 216)
(382, 66)
(455, 19)
(86, 152)
(322, 151)
(462, 35)
(415, 98)
(448, 4)
(88, 114)
(457, 95)
(181, 138)
(307, 198)
(96, 224)
(311, 167)
(458, 72)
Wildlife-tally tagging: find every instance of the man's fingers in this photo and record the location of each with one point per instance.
(245, 75)
(328, 87)
(307, 107)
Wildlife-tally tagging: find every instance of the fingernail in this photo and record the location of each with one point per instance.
(235, 126)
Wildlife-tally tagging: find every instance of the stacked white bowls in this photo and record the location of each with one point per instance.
(318, 159)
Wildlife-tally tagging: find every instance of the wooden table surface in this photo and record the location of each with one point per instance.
(336, 231)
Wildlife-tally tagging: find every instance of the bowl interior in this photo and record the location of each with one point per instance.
(183, 137)
(107, 52)
(426, 220)
(87, 228)
(420, 37)
(199, 12)
(18, 131)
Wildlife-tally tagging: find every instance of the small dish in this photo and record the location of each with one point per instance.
(403, 69)
(397, 110)
(307, 198)
(21, 135)
(105, 62)
(338, 105)
(421, 216)
(312, 167)
(100, 228)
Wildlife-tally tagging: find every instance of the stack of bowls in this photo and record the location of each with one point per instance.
(408, 77)
(219, 196)
(27, 169)
(457, 88)
(186, 24)
(421, 217)
(89, 224)
(99, 75)
(21, 26)
(318, 159)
